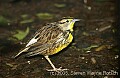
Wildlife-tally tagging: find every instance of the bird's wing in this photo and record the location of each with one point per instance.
(45, 40)
(39, 38)
(43, 34)
(38, 49)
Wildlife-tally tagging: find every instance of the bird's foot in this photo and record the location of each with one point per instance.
(57, 69)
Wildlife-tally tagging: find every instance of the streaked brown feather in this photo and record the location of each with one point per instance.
(48, 36)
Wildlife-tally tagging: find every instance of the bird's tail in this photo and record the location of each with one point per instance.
(24, 50)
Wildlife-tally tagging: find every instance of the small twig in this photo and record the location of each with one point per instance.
(104, 28)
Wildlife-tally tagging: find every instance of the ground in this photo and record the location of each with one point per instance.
(92, 54)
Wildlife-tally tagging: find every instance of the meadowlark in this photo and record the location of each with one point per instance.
(50, 39)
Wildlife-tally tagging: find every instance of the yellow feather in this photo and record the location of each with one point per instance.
(56, 50)
(71, 26)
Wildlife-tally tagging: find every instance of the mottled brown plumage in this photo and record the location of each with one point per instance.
(50, 39)
(47, 41)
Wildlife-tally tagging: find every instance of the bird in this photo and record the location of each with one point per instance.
(50, 39)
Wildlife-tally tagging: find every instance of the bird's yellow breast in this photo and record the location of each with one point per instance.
(62, 46)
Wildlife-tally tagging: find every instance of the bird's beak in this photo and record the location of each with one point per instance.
(74, 20)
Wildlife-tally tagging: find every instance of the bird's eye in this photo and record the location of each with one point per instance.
(67, 21)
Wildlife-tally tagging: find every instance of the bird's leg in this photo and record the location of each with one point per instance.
(50, 62)
(54, 68)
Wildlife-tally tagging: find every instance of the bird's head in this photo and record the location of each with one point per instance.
(67, 24)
